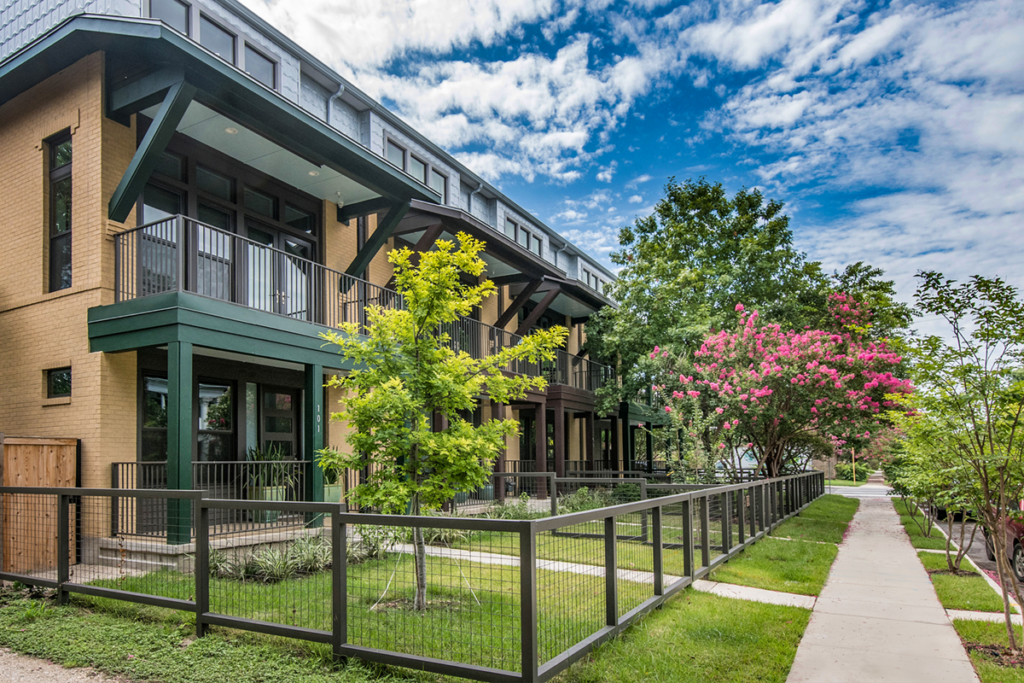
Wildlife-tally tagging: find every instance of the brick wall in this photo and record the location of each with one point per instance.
(41, 330)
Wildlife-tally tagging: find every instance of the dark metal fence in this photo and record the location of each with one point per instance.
(505, 599)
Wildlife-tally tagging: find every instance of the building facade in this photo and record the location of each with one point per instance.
(190, 198)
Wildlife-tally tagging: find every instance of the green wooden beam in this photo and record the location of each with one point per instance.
(506, 317)
(153, 144)
(537, 312)
(179, 440)
(374, 242)
(144, 92)
(365, 208)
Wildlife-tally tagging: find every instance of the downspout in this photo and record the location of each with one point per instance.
(341, 91)
(479, 187)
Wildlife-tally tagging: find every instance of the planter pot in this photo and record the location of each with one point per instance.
(461, 498)
(278, 493)
(487, 492)
(332, 494)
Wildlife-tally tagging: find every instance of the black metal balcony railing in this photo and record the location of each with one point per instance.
(182, 254)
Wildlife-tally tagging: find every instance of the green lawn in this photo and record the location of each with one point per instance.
(146, 644)
(987, 633)
(844, 482)
(824, 520)
(961, 592)
(934, 542)
(698, 637)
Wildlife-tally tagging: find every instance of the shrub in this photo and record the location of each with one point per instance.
(311, 554)
(844, 470)
(374, 542)
(274, 564)
(625, 493)
(518, 510)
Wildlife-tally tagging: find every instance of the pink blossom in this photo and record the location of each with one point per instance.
(668, 409)
(739, 307)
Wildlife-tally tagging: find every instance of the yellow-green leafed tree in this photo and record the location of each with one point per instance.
(408, 369)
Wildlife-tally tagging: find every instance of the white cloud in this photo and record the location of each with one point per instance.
(606, 172)
(636, 199)
(639, 180)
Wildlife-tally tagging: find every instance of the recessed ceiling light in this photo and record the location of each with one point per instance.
(231, 131)
(314, 173)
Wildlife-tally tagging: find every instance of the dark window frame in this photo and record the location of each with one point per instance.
(195, 154)
(388, 140)
(56, 175)
(50, 374)
(444, 183)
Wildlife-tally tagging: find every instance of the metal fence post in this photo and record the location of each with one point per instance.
(202, 568)
(553, 488)
(611, 573)
(705, 531)
(63, 546)
(753, 510)
(726, 522)
(659, 586)
(741, 515)
(530, 661)
(687, 515)
(339, 583)
(643, 513)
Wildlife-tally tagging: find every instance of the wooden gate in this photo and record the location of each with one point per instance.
(28, 525)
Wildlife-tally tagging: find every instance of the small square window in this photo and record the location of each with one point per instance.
(260, 203)
(171, 12)
(58, 382)
(216, 40)
(214, 183)
(259, 67)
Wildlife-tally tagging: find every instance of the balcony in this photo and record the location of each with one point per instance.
(180, 254)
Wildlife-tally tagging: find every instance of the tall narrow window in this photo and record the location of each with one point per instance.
(439, 182)
(259, 67)
(395, 155)
(60, 212)
(216, 40)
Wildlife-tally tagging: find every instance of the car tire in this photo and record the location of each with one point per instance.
(990, 552)
(1018, 561)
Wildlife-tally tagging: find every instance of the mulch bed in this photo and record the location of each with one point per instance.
(958, 572)
(1000, 655)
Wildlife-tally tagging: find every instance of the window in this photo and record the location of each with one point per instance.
(299, 219)
(259, 67)
(154, 419)
(159, 204)
(216, 423)
(396, 155)
(171, 165)
(440, 183)
(418, 170)
(219, 186)
(216, 40)
(171, 12)
(591, 280)
(510, 228)
(60, 212)
(58, 382)
(260, 203)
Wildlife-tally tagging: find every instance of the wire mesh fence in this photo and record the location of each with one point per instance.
(478, 597)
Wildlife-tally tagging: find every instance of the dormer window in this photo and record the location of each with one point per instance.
(523, 236)
(216, 39)
(395, 155)
(259, 67)
(171, 12)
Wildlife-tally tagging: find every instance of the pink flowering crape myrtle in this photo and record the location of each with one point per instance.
(770, 386)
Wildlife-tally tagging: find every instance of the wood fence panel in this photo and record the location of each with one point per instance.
(29, 523)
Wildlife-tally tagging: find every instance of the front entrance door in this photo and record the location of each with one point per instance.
(279, 427)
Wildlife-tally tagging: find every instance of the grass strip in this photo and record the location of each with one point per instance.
(845, 482)
(961, 592)
(989, 633)
(933, 542)
(826, 519)
(785, 566)
(698, 637)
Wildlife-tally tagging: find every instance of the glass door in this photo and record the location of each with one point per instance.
(278, 272)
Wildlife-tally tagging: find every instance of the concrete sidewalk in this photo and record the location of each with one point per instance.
(878, 618)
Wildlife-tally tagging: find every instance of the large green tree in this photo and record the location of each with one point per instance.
(684, 268)
(407, 374)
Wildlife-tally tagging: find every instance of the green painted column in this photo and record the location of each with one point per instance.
(313, 432)
(180, 443)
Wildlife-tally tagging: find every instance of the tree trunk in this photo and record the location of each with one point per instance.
(420, 555)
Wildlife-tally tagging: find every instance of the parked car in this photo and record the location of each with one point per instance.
(1014, 544)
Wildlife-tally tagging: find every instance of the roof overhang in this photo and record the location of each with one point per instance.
(135, 48)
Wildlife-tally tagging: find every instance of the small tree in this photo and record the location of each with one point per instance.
(407, 373)
(972, 399)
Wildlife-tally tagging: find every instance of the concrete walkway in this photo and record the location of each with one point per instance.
(878, 618)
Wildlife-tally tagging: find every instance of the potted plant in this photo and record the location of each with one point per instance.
(270, 477)
(334, 485)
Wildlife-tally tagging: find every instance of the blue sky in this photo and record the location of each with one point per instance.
(894, 131)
